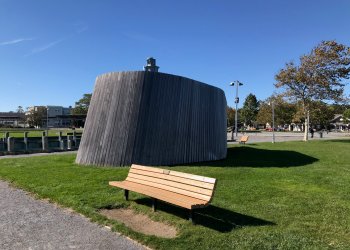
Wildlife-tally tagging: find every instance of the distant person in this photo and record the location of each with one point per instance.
(312, 132)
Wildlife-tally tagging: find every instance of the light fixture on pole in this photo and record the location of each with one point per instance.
(237, 83)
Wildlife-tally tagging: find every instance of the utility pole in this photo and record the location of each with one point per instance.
(273, 122)
(237, 83)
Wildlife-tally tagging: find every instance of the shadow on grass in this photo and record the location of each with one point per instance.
(340, 140)
(259, 158)
(213, 217)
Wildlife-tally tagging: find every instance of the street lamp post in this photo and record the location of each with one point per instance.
(237, 83)
(273, 121)
(47, 120)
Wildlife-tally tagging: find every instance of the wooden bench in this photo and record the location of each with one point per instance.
(181, 189)
(244, 139)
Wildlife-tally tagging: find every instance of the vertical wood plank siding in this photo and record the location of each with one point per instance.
(152, 118)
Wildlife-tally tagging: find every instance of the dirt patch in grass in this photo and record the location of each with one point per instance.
(140, 222)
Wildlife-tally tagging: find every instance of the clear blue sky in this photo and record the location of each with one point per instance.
(52, 50)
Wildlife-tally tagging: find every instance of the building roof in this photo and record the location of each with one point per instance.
(339, 119)
(11, 115)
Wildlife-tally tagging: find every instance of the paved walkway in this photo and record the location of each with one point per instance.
(287, 136)
(37, 154)
(27, 223)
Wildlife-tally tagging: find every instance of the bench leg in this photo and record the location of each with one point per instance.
(154, 204)
(191, 216)
(126, 194)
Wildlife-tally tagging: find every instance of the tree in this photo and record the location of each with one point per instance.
(20, 110)
(284, 111)
(230, 116)
(250, 110)
(339, 108)
(319, 76)
(265, 113)
(346, 114)
(321, 113)
(82, 106)
(35, 115)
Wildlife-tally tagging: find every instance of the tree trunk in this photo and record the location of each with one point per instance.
(306, 130)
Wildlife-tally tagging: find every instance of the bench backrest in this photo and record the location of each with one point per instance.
(195, 186)
(245, 138)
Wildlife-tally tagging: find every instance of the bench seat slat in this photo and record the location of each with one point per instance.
(175, 173)
(169, 188)
(171, 183)
(195, 183)
(174, 198)
(170, 195)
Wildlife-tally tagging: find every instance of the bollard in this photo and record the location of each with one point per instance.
(44, 133)
(45, 143)
(25, 139)
(2, 144)
(60, 140)
(6, 135)
(60, 135)
(10, 144)
(74, 138)
(69, 142)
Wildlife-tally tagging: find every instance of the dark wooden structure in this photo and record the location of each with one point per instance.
(152, 118)
(181, 189)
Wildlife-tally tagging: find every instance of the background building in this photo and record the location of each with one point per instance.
(340, 123)
(53, 117)
(12, 119)
(58, 116)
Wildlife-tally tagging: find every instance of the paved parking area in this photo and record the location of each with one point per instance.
(287, 136)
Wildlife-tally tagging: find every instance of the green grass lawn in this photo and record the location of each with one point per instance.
(291, 195)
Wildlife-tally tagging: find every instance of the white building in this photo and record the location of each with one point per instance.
(340, 123)
(54, 116)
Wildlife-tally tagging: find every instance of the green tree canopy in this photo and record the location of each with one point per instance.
(321, 113)
(284, 111)
(230, 116)
(346, 114)
(82, 106)
(319, 76)
(339, 108)
(20, 110)
(250, 110)
(35, 116)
